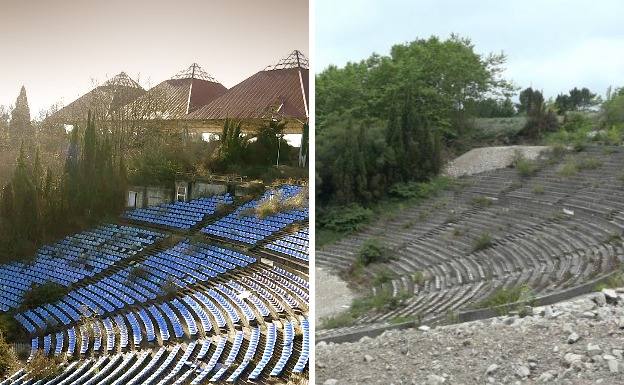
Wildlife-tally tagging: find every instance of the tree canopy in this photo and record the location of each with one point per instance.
(386, 119)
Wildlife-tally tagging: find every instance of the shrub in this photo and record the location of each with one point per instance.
(481, 201)
(526, 167)
(418, 278)
(372, 251)
(345, 219)
(169, 287)
(137, 272)
(41, 367)
(511, 295)
(420, 190)
(48, 292)
(383, 276)
(589, 163)
(569, 169)
(8, 358)
(538, 189)
(482, 242)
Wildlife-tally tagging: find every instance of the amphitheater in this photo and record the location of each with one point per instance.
(557, 231)
(183, 293)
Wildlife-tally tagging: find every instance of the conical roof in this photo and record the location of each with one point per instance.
(103, 101)
(279, 91)
(185, 92)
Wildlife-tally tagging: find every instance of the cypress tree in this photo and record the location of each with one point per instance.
(20, 126)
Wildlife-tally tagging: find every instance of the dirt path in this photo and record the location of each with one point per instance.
(332, 294)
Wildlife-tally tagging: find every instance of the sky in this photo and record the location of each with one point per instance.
(58, 49)
(552, 45)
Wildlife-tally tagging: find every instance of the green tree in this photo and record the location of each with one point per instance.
(20, 126)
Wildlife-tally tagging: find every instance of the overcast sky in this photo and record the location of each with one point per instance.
(553, 45)
(56, 47)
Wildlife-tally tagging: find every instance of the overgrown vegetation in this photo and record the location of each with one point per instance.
(38, 206)
(334, 222)
(374, 141)
(42, 366)
(502, 296)
(482, 242)
(526, 167)
(48, 292)
(372, 251)
(8, 358)
(383, 300)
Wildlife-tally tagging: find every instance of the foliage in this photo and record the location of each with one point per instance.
(37, 206)
(382, 300)
(420, 190)
(20, 127)
(344, 219)
(48, 292)
(41, 366)
(169, 287)
(372, 251)
(137, 272)
(386, 120)
(576, 99)
(481, 201)
(506, 296)
(482, 242)
(525, 167)
(8, 358)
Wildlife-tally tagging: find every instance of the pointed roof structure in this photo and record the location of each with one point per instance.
(174, 98)
(103, 101)
(279, 91)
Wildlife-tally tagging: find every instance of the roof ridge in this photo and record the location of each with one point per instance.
(295, 59)
(194, 71)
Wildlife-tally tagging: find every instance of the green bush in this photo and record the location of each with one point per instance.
(569, 169)
(482, 242)
(48, 292)
(481, 201)
(420, 190)
(538, 189)
(588, 163)
(344, 219)
(383, 276)
(504, 296)
(372, 251)
(526, 167)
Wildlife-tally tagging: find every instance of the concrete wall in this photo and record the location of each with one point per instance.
(203, 189)
(158, 195)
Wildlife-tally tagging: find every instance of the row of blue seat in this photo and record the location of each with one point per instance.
(181, 215)
(72, 259)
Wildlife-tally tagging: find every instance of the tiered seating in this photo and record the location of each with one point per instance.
(244, 226)
(180, 215)
(548, 231)
(295, 245)
(73, 259)
(184, 264)
(192, 313)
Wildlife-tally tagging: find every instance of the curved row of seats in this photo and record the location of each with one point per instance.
(73, 259)
(251, 299)
(182, 265)
(251, 229)
(180, 215)
(549, 232)
(245, 354)
(295, 245)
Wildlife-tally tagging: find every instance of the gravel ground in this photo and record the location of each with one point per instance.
(332, 294)
(489, 158)
(576, 342)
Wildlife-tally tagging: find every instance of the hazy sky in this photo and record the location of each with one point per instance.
(553, 45)
(56, 47)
